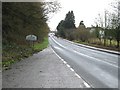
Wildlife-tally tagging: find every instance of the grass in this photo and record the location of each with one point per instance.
(15, 53)
(41, 46)
(97, 41)
(98, 44)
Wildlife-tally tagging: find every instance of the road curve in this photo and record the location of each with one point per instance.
(99, 69)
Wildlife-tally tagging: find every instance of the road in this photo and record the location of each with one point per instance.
(42, 70)
(99, 69)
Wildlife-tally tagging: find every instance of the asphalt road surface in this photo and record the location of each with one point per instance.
(99, 69)
(42, 70)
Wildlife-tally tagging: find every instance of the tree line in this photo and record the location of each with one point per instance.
(106, 28)
(20, 19)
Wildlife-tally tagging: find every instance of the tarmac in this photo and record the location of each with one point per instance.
(42, 70)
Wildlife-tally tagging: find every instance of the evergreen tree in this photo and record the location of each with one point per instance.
(67, 26)
(69, 20)
(60, 28)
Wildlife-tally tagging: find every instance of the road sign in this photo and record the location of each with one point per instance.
(31, 37)
(101, 33)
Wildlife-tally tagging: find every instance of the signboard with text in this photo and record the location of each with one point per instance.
(31, 37)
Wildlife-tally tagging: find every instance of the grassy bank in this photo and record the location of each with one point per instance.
(40, 46)
(100, 45)
(14, 53)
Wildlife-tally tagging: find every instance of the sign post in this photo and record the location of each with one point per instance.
(31, 39)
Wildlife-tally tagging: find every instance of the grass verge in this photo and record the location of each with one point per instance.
(98, 46)
(40, 46)
(14, 53)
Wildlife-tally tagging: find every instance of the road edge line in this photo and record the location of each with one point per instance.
(94, 48)
(85, 83)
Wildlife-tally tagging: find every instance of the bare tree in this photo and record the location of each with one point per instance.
(115, 21)
(51, 8)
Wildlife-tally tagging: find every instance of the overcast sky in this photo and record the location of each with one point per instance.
(86, 10)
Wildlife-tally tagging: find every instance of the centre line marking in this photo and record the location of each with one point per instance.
(71, 69)
(87, 55)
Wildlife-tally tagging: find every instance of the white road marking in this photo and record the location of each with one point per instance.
(57, 55)
(72, 69)
(95, 59)
(68, 65)
(92, 47)
(87, 55)
(64, 62)
(111, 61)
(77, 75)
(88, 86)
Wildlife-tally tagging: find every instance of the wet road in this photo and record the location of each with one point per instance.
(99, 69)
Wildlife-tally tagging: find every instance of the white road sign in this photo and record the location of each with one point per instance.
(31, 37)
